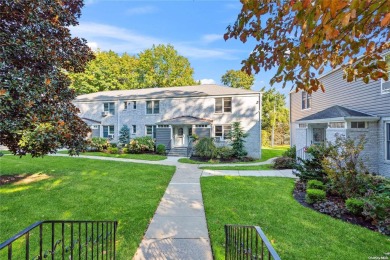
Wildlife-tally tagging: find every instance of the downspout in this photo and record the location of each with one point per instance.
(118, 105)
(260, 118)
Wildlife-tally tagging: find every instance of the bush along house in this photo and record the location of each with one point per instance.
(351, 109)
(172, 115)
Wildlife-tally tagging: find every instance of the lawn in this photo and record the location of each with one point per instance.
(146, 157)
(297, 232)
(262, 167)
(266, 154)
(83, 189)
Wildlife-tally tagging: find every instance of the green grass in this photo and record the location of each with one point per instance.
(266, 154)
(146, 157)
(83, 189)
(297, 232)
(240, 168)
(5, 151)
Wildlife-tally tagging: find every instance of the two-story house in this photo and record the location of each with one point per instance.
(348, 108)
(171, 115)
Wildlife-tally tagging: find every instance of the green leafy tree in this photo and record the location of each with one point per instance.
(124, 135)
(238, 79)
(37, 49)
(302, 38)
(162, 66)
(108, 71)
(275, 115)
(238, 136)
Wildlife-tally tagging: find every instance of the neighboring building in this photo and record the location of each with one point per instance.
(172, 115)
(348, 108)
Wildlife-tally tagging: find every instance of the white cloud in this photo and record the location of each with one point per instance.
(93, 45)
(207, 81)
(121, 40)
(141, 10)
(208, 38)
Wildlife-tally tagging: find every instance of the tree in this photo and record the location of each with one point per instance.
(238, 139)
(162, 66)
(238, 79)
(124, 135)
(275, 115)
(108, 71)
(302, 38)
(37, 51)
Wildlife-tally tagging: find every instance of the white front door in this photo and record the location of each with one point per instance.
(180, 135)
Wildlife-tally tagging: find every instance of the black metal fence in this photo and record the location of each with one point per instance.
(247, 242)
(61, 239)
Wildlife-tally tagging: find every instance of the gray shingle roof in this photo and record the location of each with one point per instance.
(153, 93)
(335, 112)
(185, 120)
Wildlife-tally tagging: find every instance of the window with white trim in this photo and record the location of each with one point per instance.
(306, 100)
(152, 107)
(336, 125)
(125, 105)
(360, 124)
(163, 126)
(94, 127)
(134, 129)
(385, 85)
(302, 126)
(223, 105)
(223, 131)
(109, 107)
(150, 130)
(134, 105)
(201, 126)
(387, 132)
(108, 131)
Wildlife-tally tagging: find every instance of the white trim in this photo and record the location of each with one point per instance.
(386, 135)
(223, 105)
(152, 100)
(336, 119)
(383, 92)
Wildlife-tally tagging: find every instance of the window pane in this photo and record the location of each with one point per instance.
(111, 132)
(149, 130)
(156, 107)
(134, 105)
(218, 105)
(303, 100)
(112, 108)
(227, 105)
(226, 131)
(125, 105)
(308, 102)
(218, 130)
(149, 107)
(154, 131)
(388, 141)
(105, 107)
(134, 129)
(105, 131)
(190, 131)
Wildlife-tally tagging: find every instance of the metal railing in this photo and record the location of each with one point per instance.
(62, 239)
(247, 242)
(189, 147)
(302, 154)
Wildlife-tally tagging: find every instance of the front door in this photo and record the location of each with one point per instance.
(179, 136)
(318, 135)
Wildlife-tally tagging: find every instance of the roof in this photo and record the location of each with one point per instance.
(335, 112)
(185, 120)
(169, 92)
(88, 119)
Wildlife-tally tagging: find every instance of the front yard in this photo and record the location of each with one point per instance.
(82, 189)
(143, 156)
(297, 232)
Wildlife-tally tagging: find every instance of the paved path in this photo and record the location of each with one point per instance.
(178, 229)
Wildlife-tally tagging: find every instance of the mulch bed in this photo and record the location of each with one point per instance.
(7, 179)
(202, 159)
(299, 195)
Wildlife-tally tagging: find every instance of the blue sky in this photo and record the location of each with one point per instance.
(194, 28)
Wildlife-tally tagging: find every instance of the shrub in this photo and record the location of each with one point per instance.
(238, 136)
(291, 152)
(330, 208)
(314, 195)
(194, 137)
(225, 152)
(314, 184)
(124, 135)
(377, 208)
(265, 139)
(161, 149)
(206, 148)
(113, 150)
(125, 150)
(355, 206)
(284, 163)
(99, 144)
(141, 145)
(113, 144)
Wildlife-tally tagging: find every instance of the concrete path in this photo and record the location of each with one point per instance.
(178, 229)
(262, 173)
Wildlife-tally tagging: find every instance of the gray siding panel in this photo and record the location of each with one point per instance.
(163, 136)
(96, 132)
(202, 132)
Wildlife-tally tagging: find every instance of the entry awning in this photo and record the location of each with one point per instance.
(337, 113)
(185, 120)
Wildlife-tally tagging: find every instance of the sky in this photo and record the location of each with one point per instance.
(195, 29)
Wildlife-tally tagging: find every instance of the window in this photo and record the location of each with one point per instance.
(358, 124)
(134, 129)
(110, 108)
(385, 85)
(180, 131)
(337, 125)
(190, 131)
(302, 126)
(134, 105)
(153, 107)
(306, 100)
(125, 105)
(151, 130)
(108, 131)
(223, 131)
(387, 141)
(223, 105)
(201, 126)
(94, 127)
(163, 126)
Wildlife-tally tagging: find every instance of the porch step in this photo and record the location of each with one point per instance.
(178, 152)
